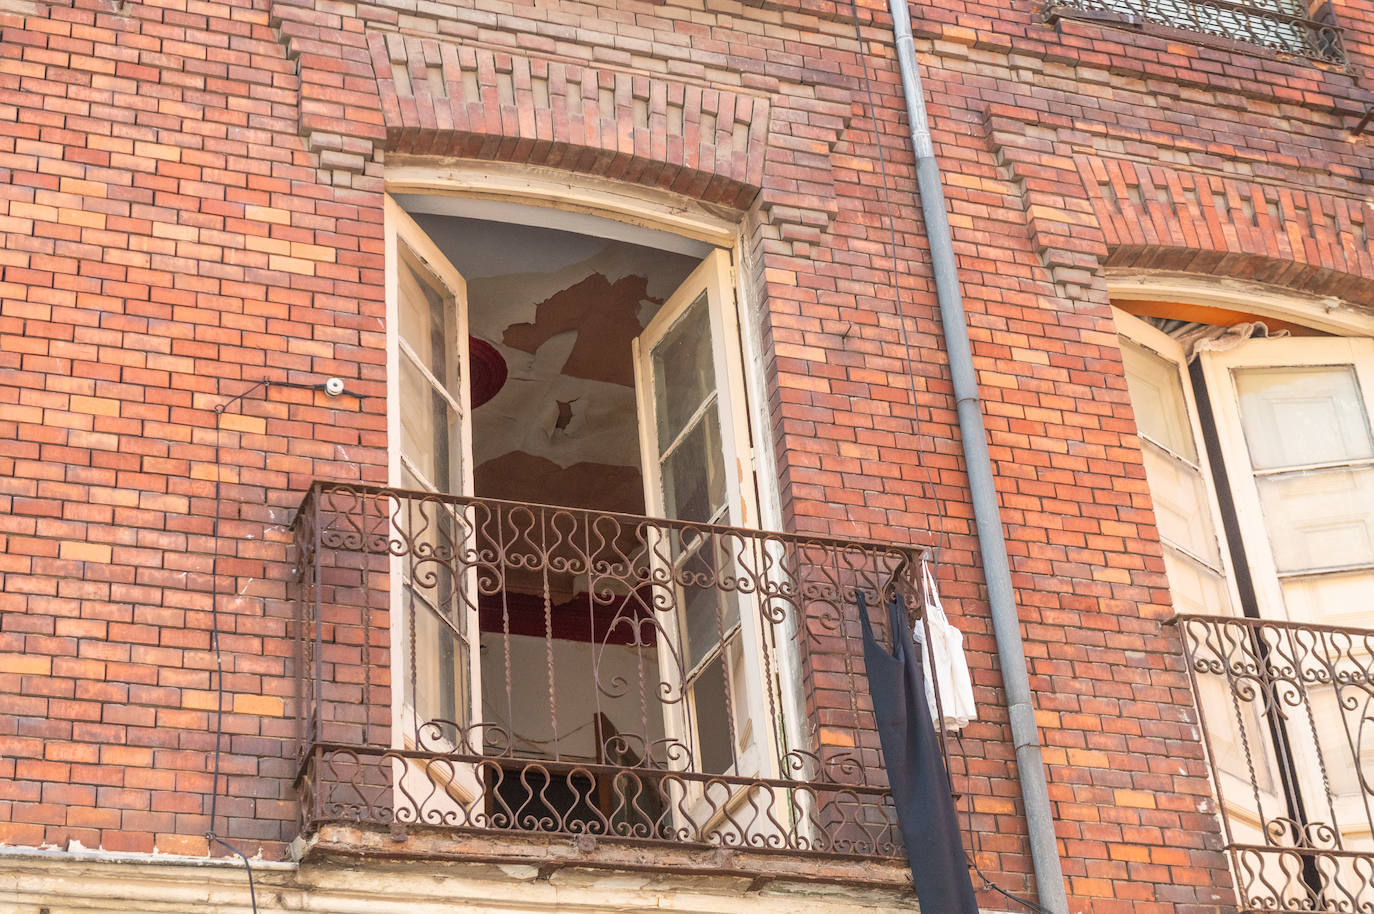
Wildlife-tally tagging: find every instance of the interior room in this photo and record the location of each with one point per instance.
(552, 315)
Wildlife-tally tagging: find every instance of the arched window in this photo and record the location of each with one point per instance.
(1256, 429)
(1257, 435)
(621, 392)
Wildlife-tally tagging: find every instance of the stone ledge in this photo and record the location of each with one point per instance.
(742, 870)
(337, 878)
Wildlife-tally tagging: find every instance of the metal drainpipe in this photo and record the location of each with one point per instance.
(1006, 623)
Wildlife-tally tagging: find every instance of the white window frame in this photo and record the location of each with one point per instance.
(1292, 352)
(715, 278)
(1167, 348)
(1235, 787)
(1218, 369)
(519, 195)
(402, 230)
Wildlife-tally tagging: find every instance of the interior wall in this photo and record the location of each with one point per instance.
(561, 309)
(586, 678)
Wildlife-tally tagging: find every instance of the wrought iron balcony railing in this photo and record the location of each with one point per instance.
(489, 666)
(1287, 714)
(1280, 25)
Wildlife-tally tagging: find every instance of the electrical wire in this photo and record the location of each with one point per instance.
(210, 835)
(987, 882)
(928, 483)
(915, 422)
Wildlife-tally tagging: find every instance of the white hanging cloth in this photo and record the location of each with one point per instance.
(945, 659)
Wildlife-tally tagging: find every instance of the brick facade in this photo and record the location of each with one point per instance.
(191, 196)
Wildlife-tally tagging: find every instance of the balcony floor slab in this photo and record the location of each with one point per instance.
(576, 860)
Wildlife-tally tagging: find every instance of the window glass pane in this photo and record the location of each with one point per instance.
(712, 706)
(708, 612)
(1331, 599)
(424, 313)
(1194, 587)
(1321, 519)
(1299, 416)
(429, 428)
(693, 476)
(1181, 505)
(700, 610)
(1341, 736)
(440, 669)
(431, 530)
(432, 582)
(684, 372)
(1228, 713)
(1156, 389)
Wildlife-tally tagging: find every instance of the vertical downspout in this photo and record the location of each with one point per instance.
(1006, 623)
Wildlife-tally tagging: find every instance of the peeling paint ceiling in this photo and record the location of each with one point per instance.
(561, 309)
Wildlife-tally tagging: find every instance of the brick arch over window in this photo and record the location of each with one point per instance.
(1171, 219)
(1263, 224)
(441, 98)
(1282, 272)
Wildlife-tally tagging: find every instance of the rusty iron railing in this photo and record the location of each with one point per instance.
(568, 671)
(1287, 714)
(1280, 25)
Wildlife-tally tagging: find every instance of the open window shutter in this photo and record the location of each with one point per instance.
(697, 468)
(1294, 421)
(430, 430)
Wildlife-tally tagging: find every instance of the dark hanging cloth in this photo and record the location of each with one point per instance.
(916, 768)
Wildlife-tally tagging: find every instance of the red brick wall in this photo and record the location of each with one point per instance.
(167, 242)
(191, 199)
(1107, 148)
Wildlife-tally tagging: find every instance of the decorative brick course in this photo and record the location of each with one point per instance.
(1086, 210)
(446, 99)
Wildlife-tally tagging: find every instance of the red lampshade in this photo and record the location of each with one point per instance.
(488, 370)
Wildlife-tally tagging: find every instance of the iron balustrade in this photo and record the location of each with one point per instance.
(1279, 25)
(624, 677)
(1287, 715)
